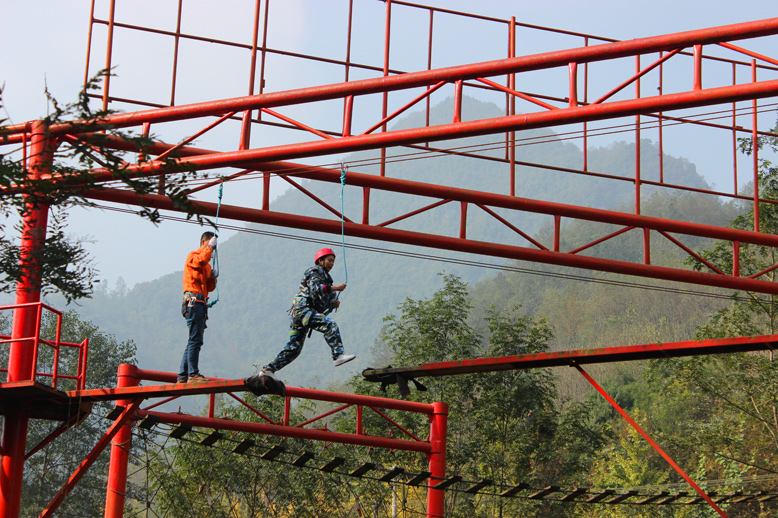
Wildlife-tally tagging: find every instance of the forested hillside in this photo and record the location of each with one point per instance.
(260, 273)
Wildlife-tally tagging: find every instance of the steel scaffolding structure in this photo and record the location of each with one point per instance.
(260, 109)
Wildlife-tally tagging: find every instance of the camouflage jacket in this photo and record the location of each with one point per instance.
(315, 291)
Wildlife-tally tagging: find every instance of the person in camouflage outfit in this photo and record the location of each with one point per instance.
(315, 299)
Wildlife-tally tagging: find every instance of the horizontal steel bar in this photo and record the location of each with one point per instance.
(290, 431)
(585, 356)
(443, 242)
(578, 114)
(219, 386)
(521, 204)
(426, 78)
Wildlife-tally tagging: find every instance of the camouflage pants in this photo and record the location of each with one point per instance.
(301, 321)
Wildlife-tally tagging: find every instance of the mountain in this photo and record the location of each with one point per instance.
(260, 272)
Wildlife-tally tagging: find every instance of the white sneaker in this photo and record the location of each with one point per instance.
(269, 374)
(343, 358)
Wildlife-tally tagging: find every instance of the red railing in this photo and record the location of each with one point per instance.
(56, 344)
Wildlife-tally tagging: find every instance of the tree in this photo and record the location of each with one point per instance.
(508, 427)
(729, 403)
(61, 264)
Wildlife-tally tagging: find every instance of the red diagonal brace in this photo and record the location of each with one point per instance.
(90, 459)
(653, 444)
(75, 420)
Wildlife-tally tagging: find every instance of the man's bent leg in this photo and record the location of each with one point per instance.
(329, 328)
(292, 349)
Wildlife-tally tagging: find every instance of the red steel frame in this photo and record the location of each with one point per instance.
(575, 108)
(267, 159)
(21, 354)
(130, 377)
(590, 356)
(83, 348)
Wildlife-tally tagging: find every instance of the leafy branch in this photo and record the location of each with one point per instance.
(84, 144)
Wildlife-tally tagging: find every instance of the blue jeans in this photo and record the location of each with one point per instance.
(301, 321)
(195, 320)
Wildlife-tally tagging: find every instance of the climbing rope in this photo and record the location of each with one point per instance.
(343, 170)
(215, 257)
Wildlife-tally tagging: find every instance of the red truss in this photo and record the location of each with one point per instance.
(267, 160)
(695, 50)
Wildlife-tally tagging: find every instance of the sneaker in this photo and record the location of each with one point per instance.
(182, 379)
(197, 377)
(343, 358)
(268, 373)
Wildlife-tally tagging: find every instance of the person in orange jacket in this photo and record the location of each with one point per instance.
(199, 280)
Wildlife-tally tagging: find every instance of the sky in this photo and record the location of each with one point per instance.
(43, 43)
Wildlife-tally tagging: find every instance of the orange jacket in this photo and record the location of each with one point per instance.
(197, 272)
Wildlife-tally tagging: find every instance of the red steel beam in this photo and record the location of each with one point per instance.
(522, 204)
(128, 413)
(426, 78)
(290, 431)
(483, 198)
(650, 441)
(445, 243)
(586, 356)
(217, 386)
(463, 129)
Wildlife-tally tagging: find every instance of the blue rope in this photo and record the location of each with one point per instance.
(343, 170)
(215, 258)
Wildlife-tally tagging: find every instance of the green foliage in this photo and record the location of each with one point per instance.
(714, 415)
(507, 427)
(83, 144)
(188, 479)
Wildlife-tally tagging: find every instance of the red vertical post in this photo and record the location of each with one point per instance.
(755, 150)
(245, 128)
(637, 140)
(697, 81)
(120, 449)
(458, 101)
(348, 113)
(573, 72)
(734, 131)
(348, 102)
(89, 41)
(661, 127)
(108, 55)
(21, 354)
(463, 221)
(585, 124)
(512, 105)
(429, 67)
(385, 108)
(366, 205)
(264, 52)
(177, 40)
(437, 459)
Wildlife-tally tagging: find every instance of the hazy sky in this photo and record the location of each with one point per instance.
(45, 41)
